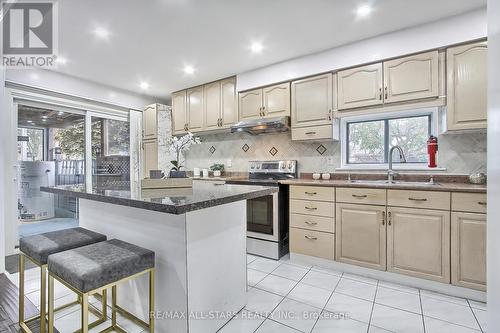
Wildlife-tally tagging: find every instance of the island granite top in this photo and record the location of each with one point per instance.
(172, 201)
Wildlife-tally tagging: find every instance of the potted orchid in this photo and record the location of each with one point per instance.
(177, 146)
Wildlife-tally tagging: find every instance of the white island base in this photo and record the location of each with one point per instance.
(200, 261)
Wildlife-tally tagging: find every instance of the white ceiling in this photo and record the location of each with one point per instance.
(152, 40)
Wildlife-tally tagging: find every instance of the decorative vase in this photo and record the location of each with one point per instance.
(177, 174)
(217, 173)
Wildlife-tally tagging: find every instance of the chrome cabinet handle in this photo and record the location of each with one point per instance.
(482, 203)
(311, 237)
(417, 199)
(310, 133)
(310, 193)
(359, 196)
(311, 223)
(310, 208)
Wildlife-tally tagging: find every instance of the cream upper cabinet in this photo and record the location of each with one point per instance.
(412, 77)
(276, 100)
(312, 101)
(360, 87)
(229, 102)
(212, 94)
(467, 86)
(468, 250)
(250, 104)
(360, 237)
(418, 243)
(149, 122)
(179, 117)
(194, 98)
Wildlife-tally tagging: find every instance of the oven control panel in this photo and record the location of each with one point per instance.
(285, 166)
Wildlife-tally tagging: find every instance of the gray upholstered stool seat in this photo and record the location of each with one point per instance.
(97, 265)
(39, 247)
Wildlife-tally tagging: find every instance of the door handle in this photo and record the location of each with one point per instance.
(310, 237)
(380, 93)
(383, 218)
(482, 203)
(330, 114)
(389, 218)
(386, 93)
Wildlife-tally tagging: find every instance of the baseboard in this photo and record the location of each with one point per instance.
(410, 281)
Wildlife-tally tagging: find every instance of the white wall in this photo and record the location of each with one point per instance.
(3, 139)
(469, 26)
(493, 166)
(70, 85)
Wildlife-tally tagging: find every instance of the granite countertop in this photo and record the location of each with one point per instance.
(421, 186)
(172, 201)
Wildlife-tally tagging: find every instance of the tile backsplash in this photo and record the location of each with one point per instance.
(458, 153)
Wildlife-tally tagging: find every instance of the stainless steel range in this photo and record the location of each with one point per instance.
(267, 217)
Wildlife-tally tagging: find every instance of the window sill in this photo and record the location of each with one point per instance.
(384, 167)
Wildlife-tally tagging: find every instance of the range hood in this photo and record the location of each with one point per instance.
(261, 126)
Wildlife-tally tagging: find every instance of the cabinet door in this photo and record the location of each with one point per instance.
(179, 112)
(211, 103)
(229, 102)
(276, 100)
(312, 101)
(361, 235)
(468, 250)
(412, 77)
(467, 86)
(149, 156)
(250, 104)
(418, 243)
(360, 87)
(149, 122)
(194, 98)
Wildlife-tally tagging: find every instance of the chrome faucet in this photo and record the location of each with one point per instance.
(402, 158)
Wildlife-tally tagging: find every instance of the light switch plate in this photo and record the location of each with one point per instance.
(330, 161)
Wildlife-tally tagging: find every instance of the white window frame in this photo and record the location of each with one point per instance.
(433, 112)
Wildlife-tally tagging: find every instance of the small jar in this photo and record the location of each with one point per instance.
(325, 176)
(316, 176)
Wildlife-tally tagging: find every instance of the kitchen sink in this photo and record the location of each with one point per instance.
(395, 182)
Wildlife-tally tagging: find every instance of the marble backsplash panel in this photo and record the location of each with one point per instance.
(458, 153)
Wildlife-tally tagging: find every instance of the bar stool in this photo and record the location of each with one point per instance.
(94, 268)
(37, 248)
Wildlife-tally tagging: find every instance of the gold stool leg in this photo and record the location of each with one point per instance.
(113, 306)
(85, 313)
(51, 304)
(104, 304)
(43, 297)
(151, 301)
(21, 287)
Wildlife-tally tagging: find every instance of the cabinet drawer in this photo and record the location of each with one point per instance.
(308, 207)
(309, 222)
(312, 243)
(362, 196)
(419, 199)
(312, 133)
(313, 193)
(468, 202)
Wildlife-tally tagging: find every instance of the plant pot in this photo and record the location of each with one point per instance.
(177, 174)
(217, 173)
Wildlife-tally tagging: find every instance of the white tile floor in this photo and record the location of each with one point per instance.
(287, 297)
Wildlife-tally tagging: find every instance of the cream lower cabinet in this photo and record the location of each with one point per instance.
(361, 235)
(418, 243)
(468, 250)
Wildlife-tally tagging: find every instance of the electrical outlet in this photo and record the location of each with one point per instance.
(229, 163)
(330, 161)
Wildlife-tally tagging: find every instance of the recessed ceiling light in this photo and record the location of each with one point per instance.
(102, 33)
(144, 85)
(188, 69)
(256, 47)
(61, 60)
(364, 10)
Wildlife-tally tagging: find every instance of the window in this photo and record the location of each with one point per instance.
(369, 142)
(30, 144)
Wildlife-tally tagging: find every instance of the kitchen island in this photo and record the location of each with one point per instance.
(199, 237)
